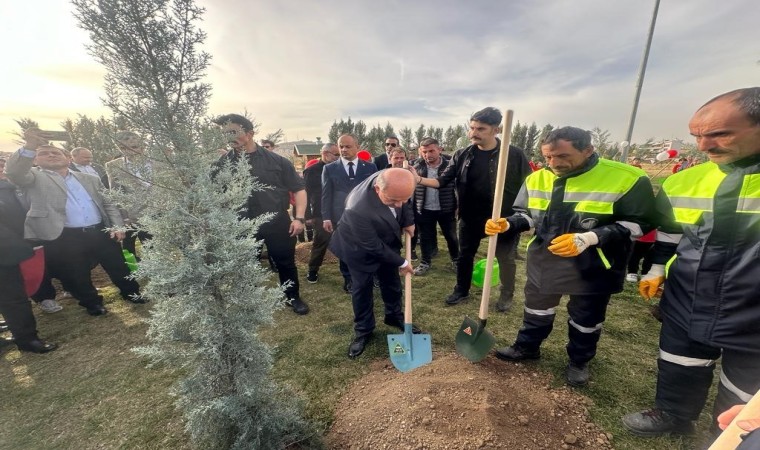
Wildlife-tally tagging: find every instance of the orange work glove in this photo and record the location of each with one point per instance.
(573, 244)
(652, 281)
(497, 226)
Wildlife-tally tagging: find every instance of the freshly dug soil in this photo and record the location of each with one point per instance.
(454, 404)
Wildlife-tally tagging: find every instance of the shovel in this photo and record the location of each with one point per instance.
(409, 351)
(473, 341)
(731, 436)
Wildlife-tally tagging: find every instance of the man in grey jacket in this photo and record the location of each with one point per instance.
(69, 214)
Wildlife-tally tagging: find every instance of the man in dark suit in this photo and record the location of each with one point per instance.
(69, 213)
(368, 240)
(312, 177)
(14, 304)
(383, 161)
(338, 178)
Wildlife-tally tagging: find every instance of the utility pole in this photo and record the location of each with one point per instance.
(639, 82)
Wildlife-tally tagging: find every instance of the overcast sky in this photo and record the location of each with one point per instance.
(300, 65)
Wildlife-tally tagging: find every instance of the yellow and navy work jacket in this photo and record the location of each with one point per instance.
(612, 199)
(710, 238)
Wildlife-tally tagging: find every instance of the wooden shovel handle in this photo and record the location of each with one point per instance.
(729, 439)
(408, 281)
(498, 196)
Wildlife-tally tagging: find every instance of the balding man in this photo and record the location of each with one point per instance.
(82, 161)
(368, 240)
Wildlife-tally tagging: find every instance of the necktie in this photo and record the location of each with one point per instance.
(351, 174)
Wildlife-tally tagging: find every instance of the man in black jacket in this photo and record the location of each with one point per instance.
(368, 240)
(434, 207)
(14, 304)
(473, 169)
(280, 177)
(312, 177)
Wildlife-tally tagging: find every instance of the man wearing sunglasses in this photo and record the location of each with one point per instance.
(384, 161)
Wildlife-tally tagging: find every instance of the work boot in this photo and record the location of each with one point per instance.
(517, 353)
(656, 422)
(577, 374)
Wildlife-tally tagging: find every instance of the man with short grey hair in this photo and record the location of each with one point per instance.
(312, 176)
(82, 161)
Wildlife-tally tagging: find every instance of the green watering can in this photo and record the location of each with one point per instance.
(479, 273)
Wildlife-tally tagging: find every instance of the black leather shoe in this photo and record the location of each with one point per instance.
(36, 346)
(456, 298)
(517, 353)
(97, 310)
(400, 325)
(299, 306)
(136, 298)
(656, 422)
(357, 346)
(347, 286)
(576, 374)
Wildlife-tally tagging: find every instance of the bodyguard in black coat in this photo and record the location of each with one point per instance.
(14, 303)
(369, 240)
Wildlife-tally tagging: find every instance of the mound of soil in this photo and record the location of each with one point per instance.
(454, 404)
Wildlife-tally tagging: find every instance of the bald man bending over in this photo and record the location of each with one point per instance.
(368, 240)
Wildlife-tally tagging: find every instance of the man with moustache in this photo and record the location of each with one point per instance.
(280, 177)
(473, 172)
(707, 245)
(68, 213)
(585, 211)
(434, 207)
(338, 179)
(368, 240)
(312, 177)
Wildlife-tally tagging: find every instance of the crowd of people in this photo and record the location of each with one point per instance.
(590, 221)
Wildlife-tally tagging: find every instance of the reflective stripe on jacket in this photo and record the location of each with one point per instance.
(713, 285)
(612, 199)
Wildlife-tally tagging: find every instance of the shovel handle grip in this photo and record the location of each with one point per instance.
(498, 196)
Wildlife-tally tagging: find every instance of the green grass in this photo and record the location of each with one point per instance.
(95, 393)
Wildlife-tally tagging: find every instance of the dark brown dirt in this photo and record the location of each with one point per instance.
(454, 404)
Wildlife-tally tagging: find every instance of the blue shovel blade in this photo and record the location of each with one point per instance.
(409, 351)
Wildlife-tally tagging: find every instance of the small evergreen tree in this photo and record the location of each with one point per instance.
(210, 294)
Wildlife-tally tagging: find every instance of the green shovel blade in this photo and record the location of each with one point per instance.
(473, 341)
(409, 351)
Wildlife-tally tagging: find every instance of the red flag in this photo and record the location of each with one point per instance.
(32, 270)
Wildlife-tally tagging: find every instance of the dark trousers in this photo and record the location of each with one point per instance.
(686, 373)
(640, 251)
(426, 222)
(318, 245)
(281, 248)
(71, 256)
(15, 306)
(130, 240)
(362, 297)
(46, 290)
(471, 232)
(584, 326)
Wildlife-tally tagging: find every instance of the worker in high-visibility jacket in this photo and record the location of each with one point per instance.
(709, 245)
(586, 212)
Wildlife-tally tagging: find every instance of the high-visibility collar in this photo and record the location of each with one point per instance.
(595, 190)
(692, 193)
